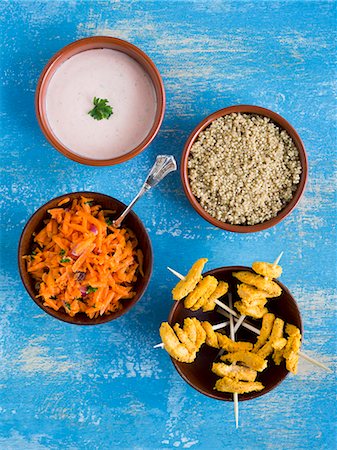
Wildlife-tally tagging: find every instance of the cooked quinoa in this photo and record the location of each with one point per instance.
(244, 169)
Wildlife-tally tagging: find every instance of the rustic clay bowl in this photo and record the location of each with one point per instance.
(89, 44)
(198, 374)
(132, 221)
(278, 120)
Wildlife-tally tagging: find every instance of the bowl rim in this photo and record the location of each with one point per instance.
(67, 318)
(98, 42)
(282, 123)
(251, 395)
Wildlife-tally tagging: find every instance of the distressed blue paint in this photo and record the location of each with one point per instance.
(105, 387)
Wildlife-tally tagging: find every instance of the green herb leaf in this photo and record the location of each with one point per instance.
(90, 203)
(67, 305)
(34, 253)
(101, 109)
(90, 289)
(65, 260)
(62, 252)
(109, 221)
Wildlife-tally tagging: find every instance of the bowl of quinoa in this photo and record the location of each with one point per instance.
(244, 168)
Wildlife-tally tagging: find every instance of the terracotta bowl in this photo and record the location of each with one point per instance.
(198, 374)
(89, 44)
(132, 221)
(282, 123)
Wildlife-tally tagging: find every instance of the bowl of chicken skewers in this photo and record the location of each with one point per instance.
(266, 330)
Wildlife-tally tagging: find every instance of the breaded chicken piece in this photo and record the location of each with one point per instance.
(213, 284)
(278, 356)
(292, 363)
(218, 340)
(227, 384)
(220, 290)
(185, 286)
(204, 289)
(190, 328)
(291, 330)
(256, 311)
(250, 293)
(292, 348)
(269, 286)
(267, 269)
(172, 344)
(276, 340)
(233, 371)
(233, 346)
(265, 350)
(211, 335)
(276, 336)
(184, 338)
(251, 360)
(267, 326)
(201, 334)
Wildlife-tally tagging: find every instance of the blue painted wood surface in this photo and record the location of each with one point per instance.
(67, 387)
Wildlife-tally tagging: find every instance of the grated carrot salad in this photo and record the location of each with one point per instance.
(81, 263)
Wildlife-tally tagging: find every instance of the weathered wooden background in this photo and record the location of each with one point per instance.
(66, 387)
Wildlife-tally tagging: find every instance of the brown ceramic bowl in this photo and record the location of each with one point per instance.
(198, 374)
(278, 120)
(89, 44)
(132, 221)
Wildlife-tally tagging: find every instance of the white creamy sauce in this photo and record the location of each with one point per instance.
(107, 74)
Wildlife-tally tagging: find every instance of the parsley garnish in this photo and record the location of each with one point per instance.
(90, 289)
(101, 109)
(34, 253)
(67, 305)
(90, 203)
(109, 221)
(65, 260)
(62, 252)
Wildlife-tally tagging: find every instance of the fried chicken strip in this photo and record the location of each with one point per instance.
(267, 326)
(202, 292)
(227, 384)
(269, 286)
(201, 334)
(218, 340)
(255, 310)
(233, 371)
(172, 344)
(252, 360)
(250, 293)
(276, 340)
(185, 286)
(292, 348)
(267, 269)
(278, 356)
(220, 290)
(184, 339)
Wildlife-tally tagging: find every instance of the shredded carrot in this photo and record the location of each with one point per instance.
(81, 263)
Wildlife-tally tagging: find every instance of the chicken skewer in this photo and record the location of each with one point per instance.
(230, 312)
(243, 316)
(214, 328)
(216, 301)
(232, 336)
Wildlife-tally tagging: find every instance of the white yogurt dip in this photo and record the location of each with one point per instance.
(106, 74)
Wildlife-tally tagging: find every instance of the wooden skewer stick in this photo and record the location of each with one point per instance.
(243, 316)
(277, 260)
(230, 312)
(232, 336)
